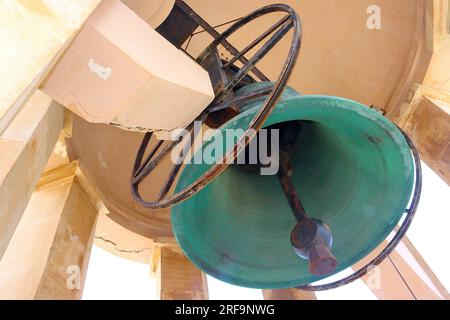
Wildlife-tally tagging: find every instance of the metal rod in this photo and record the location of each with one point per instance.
(257, 40)
(284, 175)
(258, 56)
(217, 26)
(217, 35)
(141, 151)
(289, 134)
(410, 213)
(243, 98)
(149, 157)
(176, 168)
(145, 171)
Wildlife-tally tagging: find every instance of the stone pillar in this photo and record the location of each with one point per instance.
(178, 278)
(288, 294)
(25, 147)
(48, 254)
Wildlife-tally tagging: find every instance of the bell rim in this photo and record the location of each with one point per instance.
(347, 104)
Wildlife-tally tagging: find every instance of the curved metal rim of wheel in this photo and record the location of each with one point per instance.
(142, 169)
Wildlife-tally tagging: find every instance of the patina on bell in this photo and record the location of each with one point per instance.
(352, 169)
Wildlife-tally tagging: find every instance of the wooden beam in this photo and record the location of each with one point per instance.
(48, 255)
(404, 275)
(427, 122)
(411, 255)
(34, 35)
(25, 148)
(178, 278)
(288, 294)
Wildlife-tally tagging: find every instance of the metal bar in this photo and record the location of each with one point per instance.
(217, 35)
(258, 56)
(289, 134)
(284, 175)
(170, 180)
(141, 151)
(176, 168)
(150, 166)
(213, 65)
(217, 26)
(137, 171)
(145, 171)
(178, 26)
(244, 98)
(256, 41)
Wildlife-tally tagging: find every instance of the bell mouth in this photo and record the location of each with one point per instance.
(353, 170)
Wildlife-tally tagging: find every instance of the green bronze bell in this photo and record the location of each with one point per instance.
(352, 169)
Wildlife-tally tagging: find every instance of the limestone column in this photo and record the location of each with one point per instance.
(25, 147)
(288, 294)
(48, 254)
(178, 278)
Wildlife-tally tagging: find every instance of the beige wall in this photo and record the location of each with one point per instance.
(339, 55)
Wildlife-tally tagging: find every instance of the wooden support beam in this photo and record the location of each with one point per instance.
(288, 294)
(48, 255)
(427, 122)
(25, 147)
(404, 275)
(178, 278)
(34, 36)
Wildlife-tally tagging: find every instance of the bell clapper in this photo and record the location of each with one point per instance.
(310, 238)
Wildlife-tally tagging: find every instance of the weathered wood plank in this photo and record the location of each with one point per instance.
(178, 278)
(288, 294)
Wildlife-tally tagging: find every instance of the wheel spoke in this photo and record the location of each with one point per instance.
(147, 160)
(257, 41)
(261, 53)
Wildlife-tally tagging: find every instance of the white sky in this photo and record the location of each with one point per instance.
(430, 229)
(111, 277)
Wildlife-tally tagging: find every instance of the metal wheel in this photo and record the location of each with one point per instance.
(142, 168)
